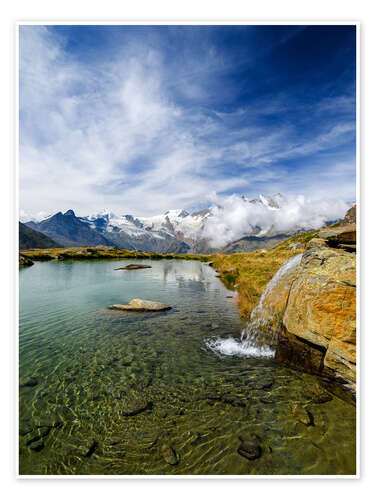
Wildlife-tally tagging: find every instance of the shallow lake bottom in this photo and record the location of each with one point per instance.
(106, 392)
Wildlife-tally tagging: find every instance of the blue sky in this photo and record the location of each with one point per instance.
(142, 119)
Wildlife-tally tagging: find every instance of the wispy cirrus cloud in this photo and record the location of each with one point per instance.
(148, 125)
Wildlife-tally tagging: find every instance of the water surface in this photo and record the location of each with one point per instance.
(84, 369)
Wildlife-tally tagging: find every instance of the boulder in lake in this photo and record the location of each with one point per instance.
(141, 305)
(130, 267)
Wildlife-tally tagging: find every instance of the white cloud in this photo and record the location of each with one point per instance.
(111, 134)
(235, 217)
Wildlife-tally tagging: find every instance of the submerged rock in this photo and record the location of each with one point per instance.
(169, 455)
(302, 415)
(233, 400)
(136, 406)
(89, 448)
(141, 305)
(249, 447)
(36, 446)
(29, 382)
(130, 267)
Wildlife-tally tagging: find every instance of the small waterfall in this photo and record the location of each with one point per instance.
(258, 338)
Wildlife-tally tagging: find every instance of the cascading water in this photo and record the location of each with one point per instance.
(258, 338)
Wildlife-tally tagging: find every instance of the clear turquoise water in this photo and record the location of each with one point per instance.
(82, 367)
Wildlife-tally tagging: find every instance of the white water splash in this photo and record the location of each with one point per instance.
(234, 347)
(257, 339)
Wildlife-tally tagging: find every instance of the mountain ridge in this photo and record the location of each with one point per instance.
(178, 231)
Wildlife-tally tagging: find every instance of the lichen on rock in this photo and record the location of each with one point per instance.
(318, 331)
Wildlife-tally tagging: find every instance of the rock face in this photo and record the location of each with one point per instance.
(318, 332)
(251, 243)
(30, 238)
(141, 305)
(69, 231)
(351, 215)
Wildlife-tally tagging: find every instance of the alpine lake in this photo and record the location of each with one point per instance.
(104, 392)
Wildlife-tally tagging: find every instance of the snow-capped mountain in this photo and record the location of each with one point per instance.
(234, 224)
(177, 223)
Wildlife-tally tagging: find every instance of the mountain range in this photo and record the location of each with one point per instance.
(175, 231)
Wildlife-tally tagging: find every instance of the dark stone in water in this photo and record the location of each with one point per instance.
(137, 406)
(92, 447)
(322, 397)
(267, 384)
(169, 455)
(30, 382)
(25, 429)
(197, 438)
(303, 415)
(37, 446)
(33, 438)
(266, 401)
(44, 431)
(233, 400)
(37, 434)
(249, 447)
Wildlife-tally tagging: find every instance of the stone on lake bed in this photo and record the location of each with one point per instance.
(130, 267)
(249, 447)
(36, 446)
(169, 455)
(141, 305)
(136, 406)
(29, 382)
(303, 415)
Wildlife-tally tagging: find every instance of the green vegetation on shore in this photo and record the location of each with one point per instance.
(249, 273)
(103, 252)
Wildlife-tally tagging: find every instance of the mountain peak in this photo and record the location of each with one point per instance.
(179, 212)
(70, 212)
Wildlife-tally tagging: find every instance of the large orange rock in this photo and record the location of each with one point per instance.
(319, 323)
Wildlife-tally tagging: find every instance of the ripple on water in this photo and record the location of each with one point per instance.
(90, 366)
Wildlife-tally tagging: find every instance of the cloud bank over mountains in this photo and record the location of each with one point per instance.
(227, 220)
(235, 217)
(145, 119)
